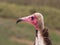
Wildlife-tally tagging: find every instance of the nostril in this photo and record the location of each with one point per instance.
(32, 18)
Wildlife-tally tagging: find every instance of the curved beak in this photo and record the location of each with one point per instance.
(26, 19)
(22, 19)
(19, 20)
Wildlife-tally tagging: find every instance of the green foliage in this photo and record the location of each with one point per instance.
(55, 36)
(52, 3)
(9, 29)
(12, 11)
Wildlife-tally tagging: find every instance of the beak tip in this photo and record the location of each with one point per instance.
(19, 20)
(16, 22)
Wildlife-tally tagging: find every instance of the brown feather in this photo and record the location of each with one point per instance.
(45, 35)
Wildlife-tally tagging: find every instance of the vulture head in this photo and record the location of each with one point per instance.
(36, 19)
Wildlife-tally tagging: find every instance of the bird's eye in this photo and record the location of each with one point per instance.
(32, 18)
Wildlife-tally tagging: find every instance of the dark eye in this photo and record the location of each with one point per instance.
(32, 18)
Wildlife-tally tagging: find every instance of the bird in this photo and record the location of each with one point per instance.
(37, 20)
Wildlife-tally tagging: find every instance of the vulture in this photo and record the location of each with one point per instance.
(37, 20)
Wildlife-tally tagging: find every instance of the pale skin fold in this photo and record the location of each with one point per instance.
(37, 20)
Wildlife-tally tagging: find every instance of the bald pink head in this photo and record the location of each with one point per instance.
(33, 19)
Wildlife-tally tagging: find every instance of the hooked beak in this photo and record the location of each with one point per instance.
(19, 20)
(22, 19)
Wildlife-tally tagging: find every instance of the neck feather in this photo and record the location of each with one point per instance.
(41, 22)
(42, 37)
(39, 38)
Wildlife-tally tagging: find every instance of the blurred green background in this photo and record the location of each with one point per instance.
(24, 33)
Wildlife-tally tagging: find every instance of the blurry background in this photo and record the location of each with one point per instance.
(23, 33)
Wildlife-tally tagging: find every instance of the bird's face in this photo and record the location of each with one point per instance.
(30, 19)
(36, 19)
